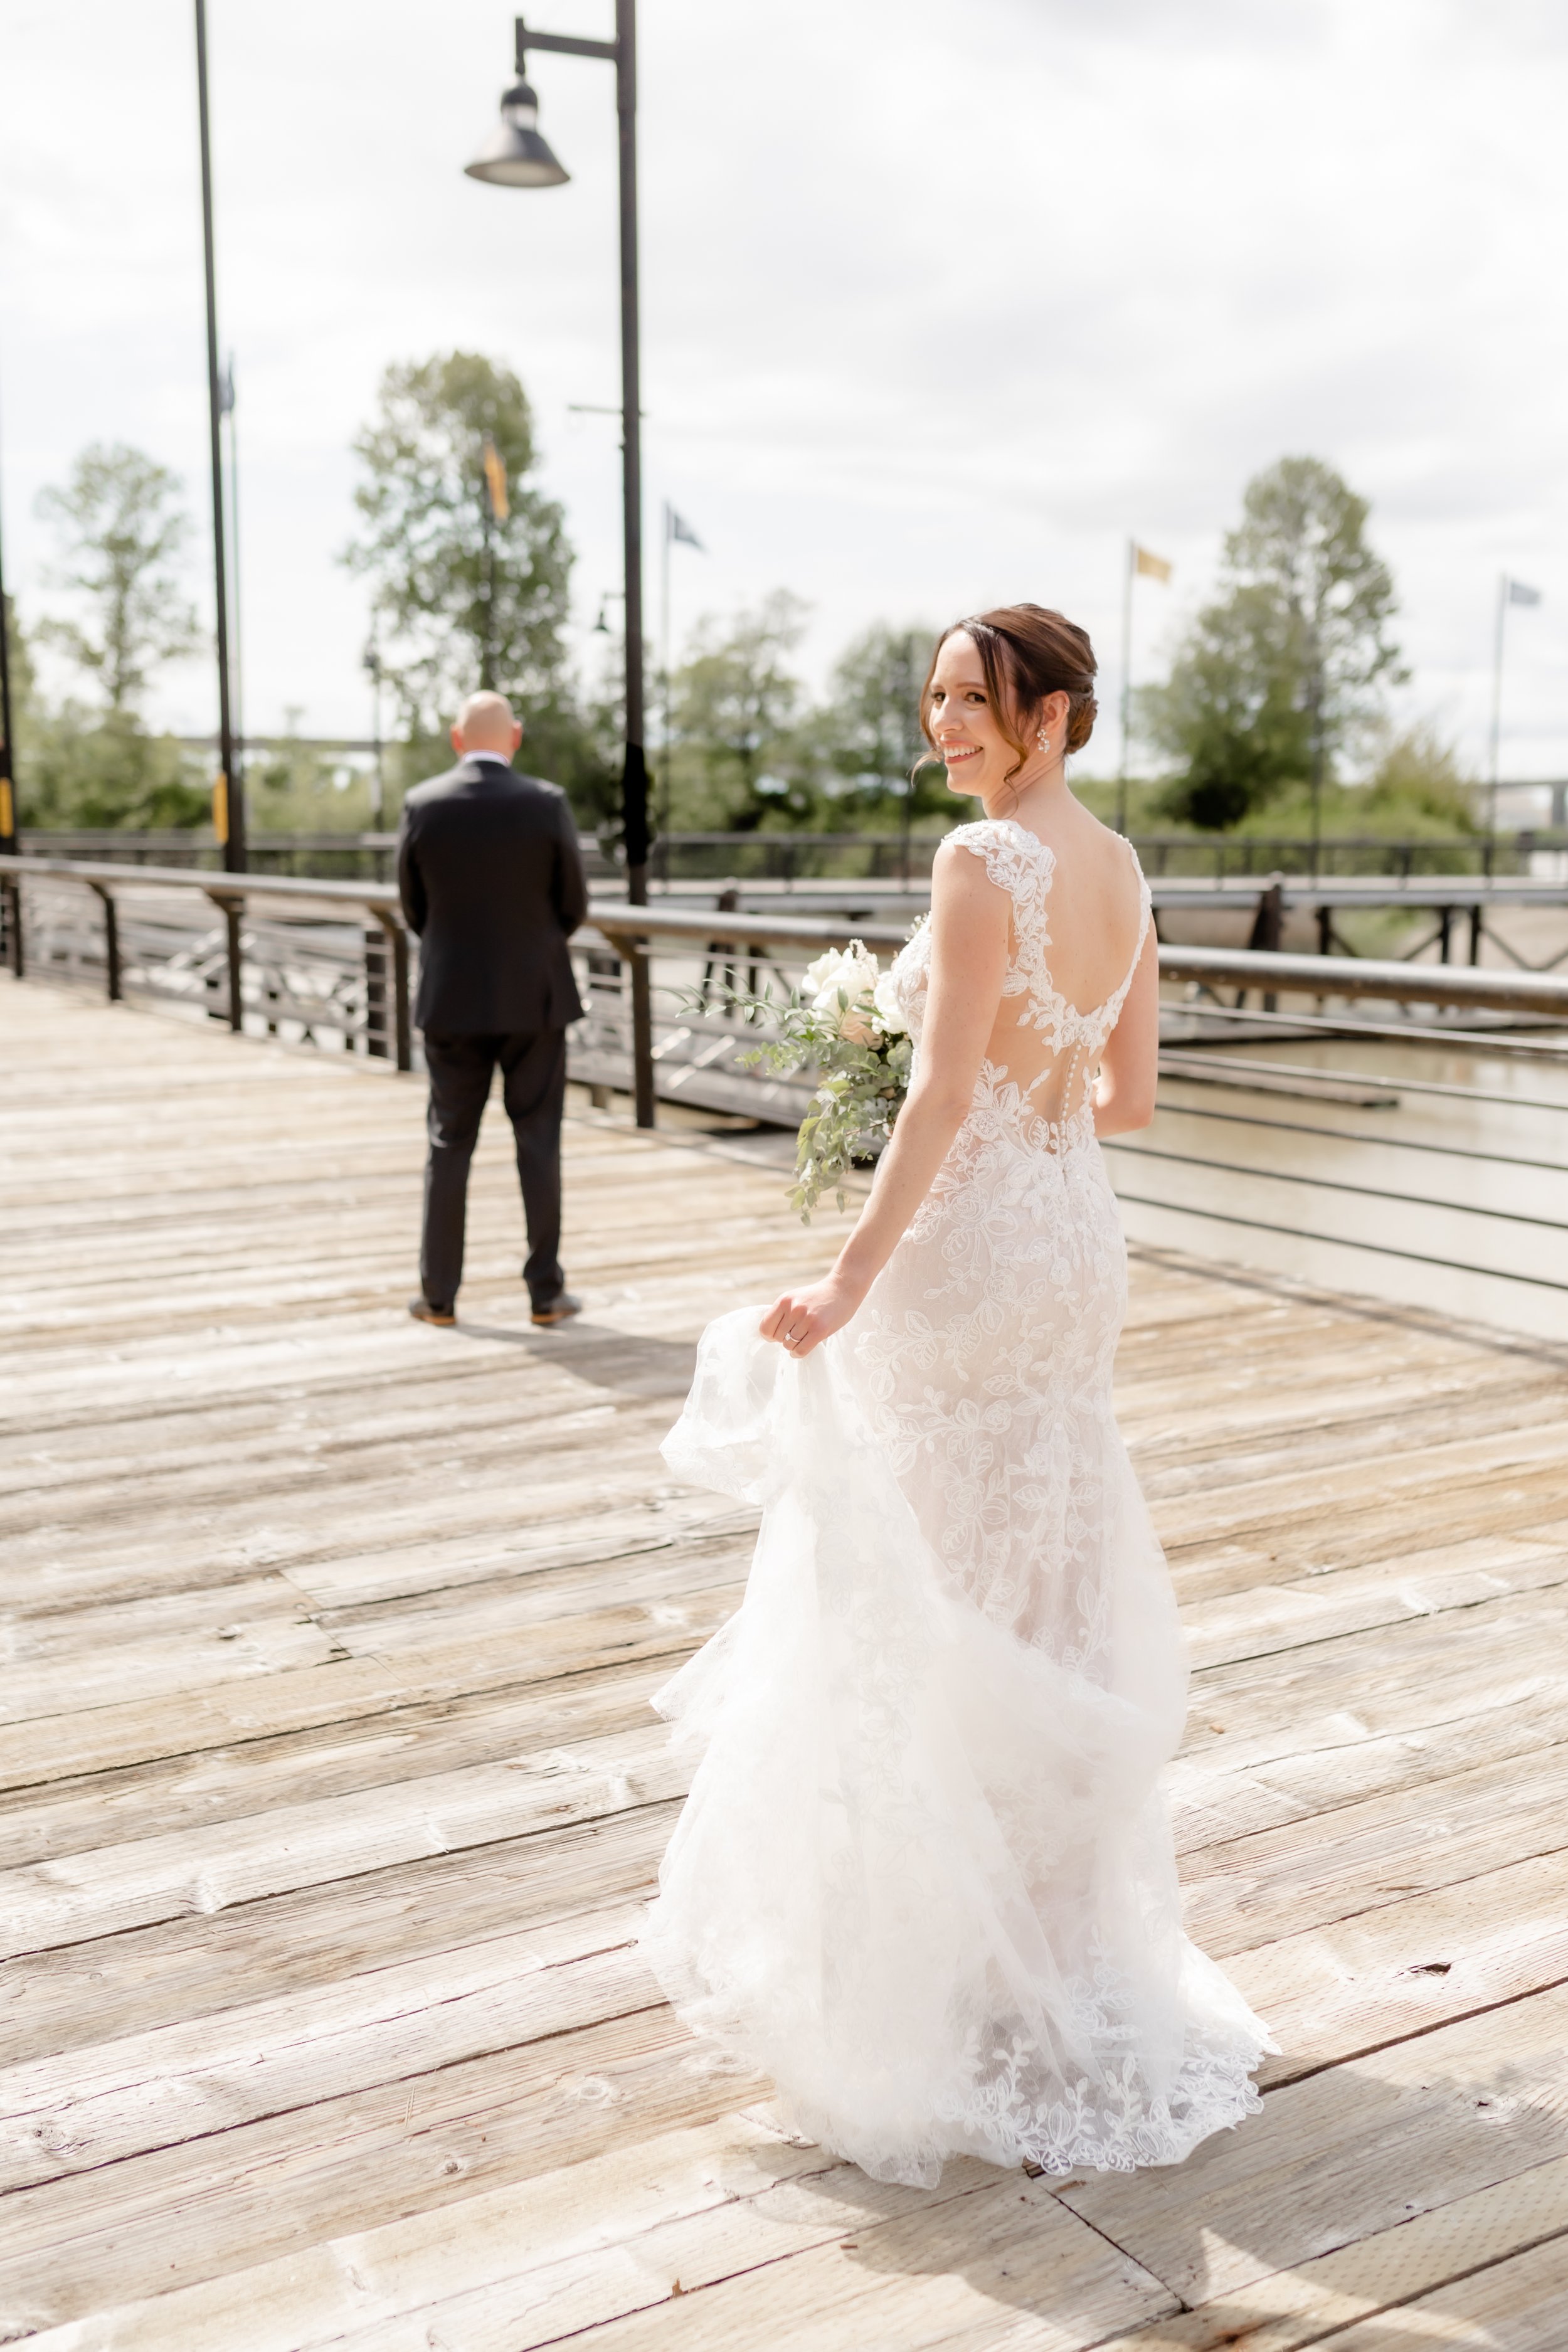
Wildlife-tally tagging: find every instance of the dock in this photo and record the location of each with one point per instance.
(330, 1789)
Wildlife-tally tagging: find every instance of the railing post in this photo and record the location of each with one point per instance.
(642, 1035)
(232, 908)
(13, 905)
(376, 1044)
(1268, 930)
(111, 941)
(402, 1026)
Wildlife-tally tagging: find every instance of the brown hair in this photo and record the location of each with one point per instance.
(1027, 653)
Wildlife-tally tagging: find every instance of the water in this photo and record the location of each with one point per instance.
(1468, 1204)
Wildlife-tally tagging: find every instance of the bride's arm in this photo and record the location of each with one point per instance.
(1124, 1098)
(969, 923)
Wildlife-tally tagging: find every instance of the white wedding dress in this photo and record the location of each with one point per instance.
(924, 1878)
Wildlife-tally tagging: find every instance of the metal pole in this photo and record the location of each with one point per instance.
(8, 847)
(378, 781)
(1317, 719)
(664, 666)
(232, 408)
(229, 797)
(11, 892)
(634, 782)
(1494, 765)
(1126, 685)
(486, 527)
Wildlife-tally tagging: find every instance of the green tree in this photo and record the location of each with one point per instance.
(122, 529)
(870, 728)
(468, 560)
(1284, 669)
(737, 758)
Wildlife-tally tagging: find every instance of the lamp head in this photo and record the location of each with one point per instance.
(514, 155)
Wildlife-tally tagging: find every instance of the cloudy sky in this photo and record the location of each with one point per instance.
(941, 301)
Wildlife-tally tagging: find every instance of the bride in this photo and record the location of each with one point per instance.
(924, 1878)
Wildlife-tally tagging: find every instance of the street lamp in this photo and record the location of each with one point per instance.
(516, 156)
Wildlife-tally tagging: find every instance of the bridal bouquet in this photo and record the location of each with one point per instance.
(843, 1021)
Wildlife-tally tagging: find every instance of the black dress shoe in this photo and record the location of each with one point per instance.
(423, 1312)
(558, 1310)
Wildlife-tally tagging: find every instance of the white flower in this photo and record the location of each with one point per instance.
(890, 1011)
(850, 972)
(851, 968)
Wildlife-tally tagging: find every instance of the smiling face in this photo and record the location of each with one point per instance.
(963, 723)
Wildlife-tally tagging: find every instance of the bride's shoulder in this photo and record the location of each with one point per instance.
(976, 887)
(1012, 858)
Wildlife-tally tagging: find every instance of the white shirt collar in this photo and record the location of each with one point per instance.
(498, 757)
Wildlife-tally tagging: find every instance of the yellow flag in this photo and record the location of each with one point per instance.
(495, 481)
(1153, 567)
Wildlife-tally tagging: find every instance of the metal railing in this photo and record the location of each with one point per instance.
(788, 857)
(1251, 1141)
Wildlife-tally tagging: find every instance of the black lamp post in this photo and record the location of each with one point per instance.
(516, 156)
(228, 791)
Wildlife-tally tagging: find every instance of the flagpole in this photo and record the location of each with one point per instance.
(664, 656)
(1495, 765)
(1126, 684)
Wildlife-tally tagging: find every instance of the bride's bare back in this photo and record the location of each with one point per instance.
(1076, 929)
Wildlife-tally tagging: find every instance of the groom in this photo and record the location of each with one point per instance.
(492, 883)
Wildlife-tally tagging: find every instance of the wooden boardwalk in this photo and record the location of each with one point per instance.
(329, 1788)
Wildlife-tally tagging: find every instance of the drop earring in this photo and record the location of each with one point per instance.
(1043, 740)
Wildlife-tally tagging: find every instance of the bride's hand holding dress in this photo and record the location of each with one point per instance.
(969, 923)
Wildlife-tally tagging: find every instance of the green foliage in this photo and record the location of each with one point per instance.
(840, 1025)
(1416, 791)
(80, 768)
(878, 763)
(736, 758)
(1419, 777)
(465, 598)
(1282, 671)
(297, 787)
(121, 529)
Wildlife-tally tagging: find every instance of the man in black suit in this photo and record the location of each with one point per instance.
(492, 883)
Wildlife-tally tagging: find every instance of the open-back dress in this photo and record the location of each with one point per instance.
(924, 1877)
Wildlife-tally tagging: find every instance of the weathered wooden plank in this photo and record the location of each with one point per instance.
(1393, 2272)
(263, 2058)
(1338, 1991)
(262, 2189)
(1332, 1865)
(368, 1751)
(149, 1977)
(102, 1739)
(193, 1872)
(1349, 2152)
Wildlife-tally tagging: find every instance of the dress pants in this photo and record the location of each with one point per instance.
(533, 1088)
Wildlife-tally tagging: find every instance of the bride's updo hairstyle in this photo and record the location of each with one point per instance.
(1027, 653)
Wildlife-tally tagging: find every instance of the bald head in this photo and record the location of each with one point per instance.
(485, 723)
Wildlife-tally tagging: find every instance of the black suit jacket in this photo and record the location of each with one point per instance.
(491, 881)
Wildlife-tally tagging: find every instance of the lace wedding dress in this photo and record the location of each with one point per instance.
(924, 1878)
